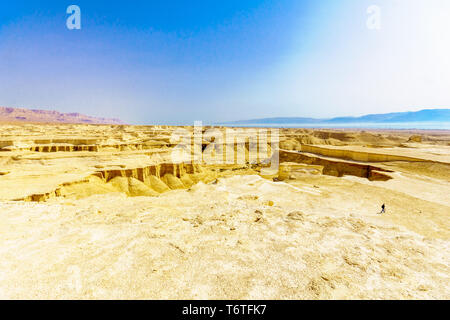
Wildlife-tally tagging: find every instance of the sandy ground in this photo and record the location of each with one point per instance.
(232, 235)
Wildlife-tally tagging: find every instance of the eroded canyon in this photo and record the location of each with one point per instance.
(103, 211)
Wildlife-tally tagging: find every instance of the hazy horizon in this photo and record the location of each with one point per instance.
(174, 62)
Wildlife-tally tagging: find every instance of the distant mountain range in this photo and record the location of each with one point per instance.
(427, 115)
(19, 115)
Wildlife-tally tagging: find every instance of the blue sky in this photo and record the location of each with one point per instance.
(174, 62)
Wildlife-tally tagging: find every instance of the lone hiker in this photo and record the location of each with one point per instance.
(383, 208)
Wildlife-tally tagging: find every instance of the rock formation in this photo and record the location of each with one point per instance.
(106, 212)
(20, 115)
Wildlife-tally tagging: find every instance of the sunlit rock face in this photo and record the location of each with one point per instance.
(20, 115)
(107, 211)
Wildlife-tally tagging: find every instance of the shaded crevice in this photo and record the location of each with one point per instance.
(155, 179)
(337, 168)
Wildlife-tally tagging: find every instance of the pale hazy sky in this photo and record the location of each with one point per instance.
(179, 61)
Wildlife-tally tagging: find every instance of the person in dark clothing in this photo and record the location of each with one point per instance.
(383, 208)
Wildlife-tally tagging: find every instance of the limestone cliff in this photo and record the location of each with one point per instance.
(14, 115)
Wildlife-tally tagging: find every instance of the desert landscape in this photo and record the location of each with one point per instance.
(104, 212)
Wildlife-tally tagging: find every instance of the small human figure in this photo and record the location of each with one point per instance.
(383, 208)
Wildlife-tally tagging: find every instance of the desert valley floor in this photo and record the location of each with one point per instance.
(103, 212)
